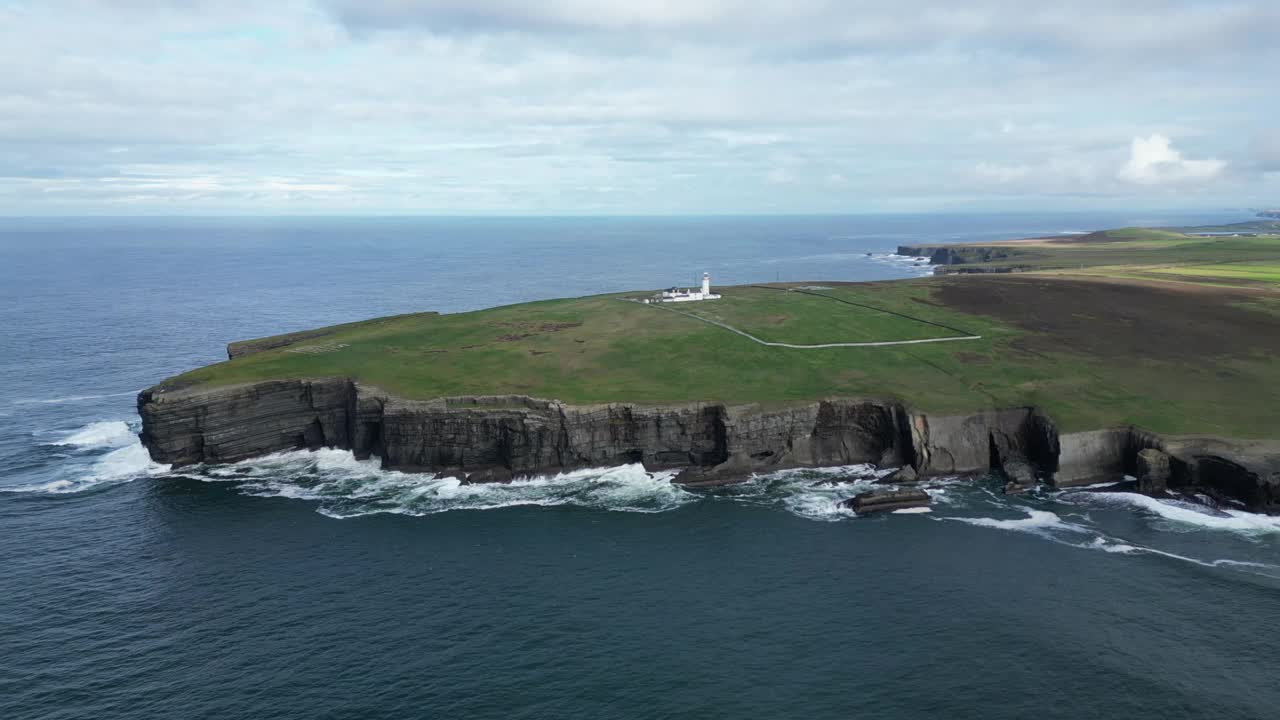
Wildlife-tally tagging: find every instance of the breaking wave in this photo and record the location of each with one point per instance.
(812, 493)
(109, 452)
(1186, 516)
(104, 434)
(123, 464)
(346, 487)
(106, 452)
(915, 265)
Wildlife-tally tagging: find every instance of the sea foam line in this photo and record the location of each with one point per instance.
(346, 487)
(1188, 515)
(72, 398)
(1045, 524)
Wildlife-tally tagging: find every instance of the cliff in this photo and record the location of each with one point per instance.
(493, 438)
(957, 254)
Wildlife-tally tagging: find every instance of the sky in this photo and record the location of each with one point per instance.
(459, 107)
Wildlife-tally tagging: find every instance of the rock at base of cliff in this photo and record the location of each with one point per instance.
(491, 475)
(1019, 475)
(1153, 471)
(905, 475)
(736, 469)
(886, 501)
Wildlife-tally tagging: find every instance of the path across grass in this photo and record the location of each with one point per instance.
(1090, 353)
(818, 346)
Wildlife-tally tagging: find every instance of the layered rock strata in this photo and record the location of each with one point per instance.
(887, 501)
(494, 438)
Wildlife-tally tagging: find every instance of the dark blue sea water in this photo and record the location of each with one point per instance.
(309, 585)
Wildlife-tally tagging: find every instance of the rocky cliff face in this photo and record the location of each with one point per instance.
(957, 254)
(515, 434)
(245, 421)
(496, 437)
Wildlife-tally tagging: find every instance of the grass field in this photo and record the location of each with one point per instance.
(1252, 272)
(1092, 354)
(1127, 252)
(812, 315)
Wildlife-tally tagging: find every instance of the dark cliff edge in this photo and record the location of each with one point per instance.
(962, 258)
(493, 438)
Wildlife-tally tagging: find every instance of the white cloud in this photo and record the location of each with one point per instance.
(1154, 161)
(457, 106)
(1134, 28)
(1001, 173)
(781, 176)
(1265, 151)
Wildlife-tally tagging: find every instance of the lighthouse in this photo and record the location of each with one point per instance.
(687, 295)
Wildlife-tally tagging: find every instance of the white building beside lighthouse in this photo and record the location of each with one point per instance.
(687, 294)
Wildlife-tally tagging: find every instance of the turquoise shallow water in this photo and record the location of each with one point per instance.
(310, 585)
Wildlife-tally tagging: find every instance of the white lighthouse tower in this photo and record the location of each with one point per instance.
(706, 285)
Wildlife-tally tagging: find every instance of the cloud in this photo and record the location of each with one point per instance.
(1153, 161)
(682, 106)
(1001, 173)
(1265, 151)
(833, 27)
(780, 176)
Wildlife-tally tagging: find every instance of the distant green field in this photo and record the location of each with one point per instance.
(1133, 252)
(1261, 272)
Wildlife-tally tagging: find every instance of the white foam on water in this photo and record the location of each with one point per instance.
(1037, 522)
(1179, 515)
(942, 490)
(72, 398)
(346, 487)
(1051, 527)
(920, 265)
(816, 493)
(126, 461)
(1110, 546)
(913, 511)
(102, 434)
(810, 493)
(1094, 486)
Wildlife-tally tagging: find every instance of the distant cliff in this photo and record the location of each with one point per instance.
(1275, 214)
(496, 438)
(950, 256)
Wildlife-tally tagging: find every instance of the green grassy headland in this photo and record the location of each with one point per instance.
(1162, 329)
(1244, 254)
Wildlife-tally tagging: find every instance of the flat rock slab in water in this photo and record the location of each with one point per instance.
(886, 501)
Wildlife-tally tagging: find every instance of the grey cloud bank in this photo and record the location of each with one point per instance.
(571, 106)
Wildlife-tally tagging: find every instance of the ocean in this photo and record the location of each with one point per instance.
(312, 585)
